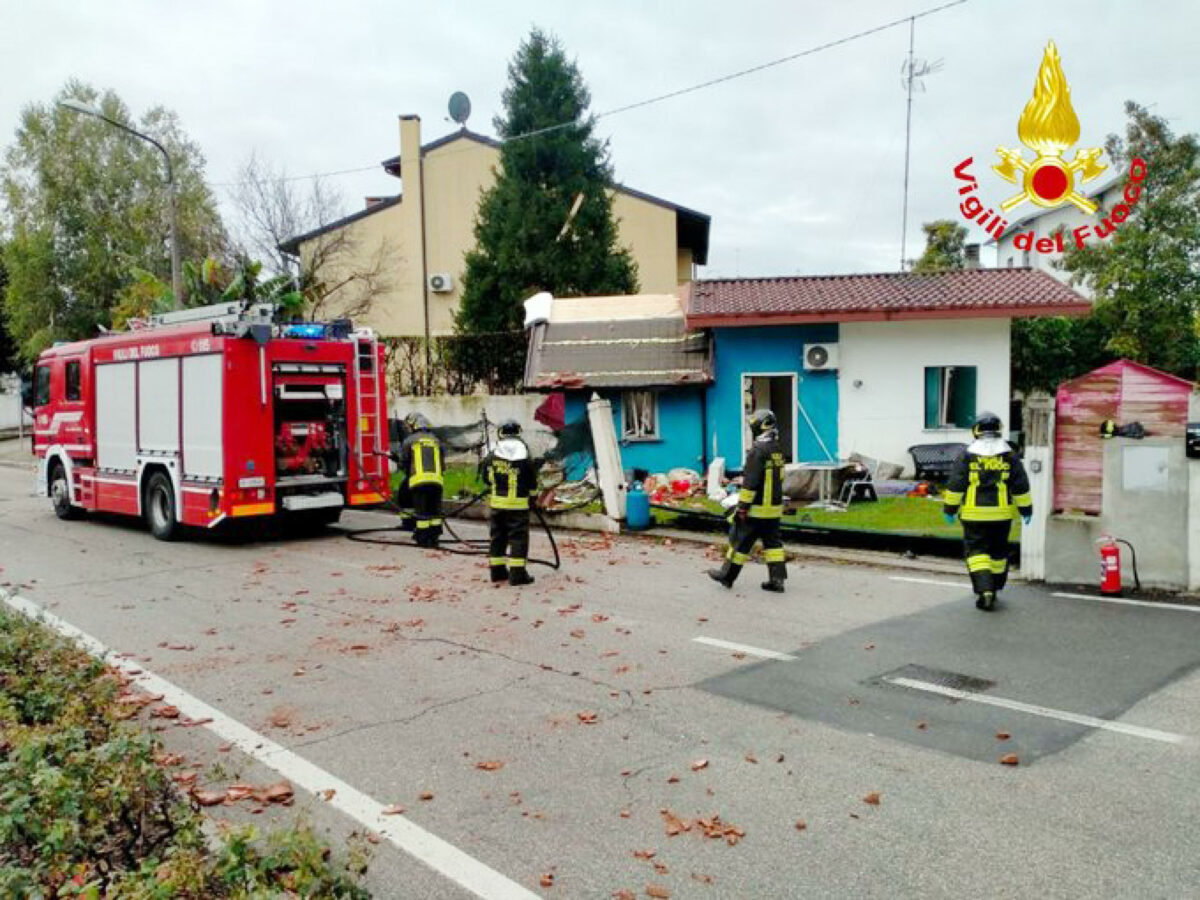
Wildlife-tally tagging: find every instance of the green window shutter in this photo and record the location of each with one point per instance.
(962, 400)
(933, 395)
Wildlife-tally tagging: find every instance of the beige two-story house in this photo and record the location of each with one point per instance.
(425, 231)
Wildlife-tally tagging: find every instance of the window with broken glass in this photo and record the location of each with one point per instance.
(639, 416)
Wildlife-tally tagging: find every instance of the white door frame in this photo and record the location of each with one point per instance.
(746, 440)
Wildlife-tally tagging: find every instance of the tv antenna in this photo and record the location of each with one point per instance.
(460, 108)
(912, 73)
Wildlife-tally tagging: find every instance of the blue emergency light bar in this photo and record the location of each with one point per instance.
(305, 330)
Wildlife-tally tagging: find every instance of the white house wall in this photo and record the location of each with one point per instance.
(1044, 225)
(881, 385)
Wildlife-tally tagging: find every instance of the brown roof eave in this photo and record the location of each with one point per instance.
(745, 320)
(569, 381)
(292, 245)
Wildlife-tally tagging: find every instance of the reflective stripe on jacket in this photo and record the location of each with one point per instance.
(987, 486)
(510, 481)
(421, 459)
(761, 494)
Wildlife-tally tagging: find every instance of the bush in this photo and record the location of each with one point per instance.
(85, 810)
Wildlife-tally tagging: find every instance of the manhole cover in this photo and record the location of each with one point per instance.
(940, 677)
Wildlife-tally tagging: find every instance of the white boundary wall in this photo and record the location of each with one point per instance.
(467, 410)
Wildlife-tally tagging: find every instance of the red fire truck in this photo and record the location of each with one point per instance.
(213, 414)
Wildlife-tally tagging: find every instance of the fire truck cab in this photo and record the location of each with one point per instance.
(213, 414)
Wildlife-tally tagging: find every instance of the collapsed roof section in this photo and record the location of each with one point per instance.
(636, 341)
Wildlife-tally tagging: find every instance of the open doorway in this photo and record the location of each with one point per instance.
(776, 392)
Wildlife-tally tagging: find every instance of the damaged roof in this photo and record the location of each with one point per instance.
(965, 293)
(630, 342)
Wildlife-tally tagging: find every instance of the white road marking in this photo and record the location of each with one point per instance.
(1045, 711)
(744, 648)
(960, 585)
(402, 833)
(1123, 602)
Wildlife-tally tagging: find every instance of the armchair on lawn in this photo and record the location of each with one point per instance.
(932, 462)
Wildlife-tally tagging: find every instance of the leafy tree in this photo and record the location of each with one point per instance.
(207, 283)
(8, 347)
(945, 240)
(550, 157)
(1048, 351)
(1146, 278)
(86, 206)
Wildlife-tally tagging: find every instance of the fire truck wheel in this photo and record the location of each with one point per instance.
(60, 493)
(159, 507)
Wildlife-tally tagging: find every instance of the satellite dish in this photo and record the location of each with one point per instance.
(460, 107)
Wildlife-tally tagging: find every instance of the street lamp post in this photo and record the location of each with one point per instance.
(176, 275)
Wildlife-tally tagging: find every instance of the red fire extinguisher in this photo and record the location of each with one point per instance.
(1110, 566)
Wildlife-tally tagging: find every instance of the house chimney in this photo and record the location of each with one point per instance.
(972, 252)
(538, 308)
(412, 213)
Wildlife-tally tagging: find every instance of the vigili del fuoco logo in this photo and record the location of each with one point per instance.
(1049, 127)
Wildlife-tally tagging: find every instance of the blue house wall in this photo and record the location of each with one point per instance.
(772, 349)
(692, 420)
(679, 442)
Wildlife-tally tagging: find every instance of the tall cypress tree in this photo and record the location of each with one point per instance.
(550, 156)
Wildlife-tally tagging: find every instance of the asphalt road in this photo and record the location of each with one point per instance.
(398, 671)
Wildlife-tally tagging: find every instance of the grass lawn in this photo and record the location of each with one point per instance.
(895, 515)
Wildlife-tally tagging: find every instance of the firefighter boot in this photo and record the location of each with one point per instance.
(776, 576)
(519, 575)
(726, 575)
(499, 573)
(986, 601)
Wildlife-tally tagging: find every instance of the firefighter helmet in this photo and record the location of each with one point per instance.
(509, 428)
(762, 421)
(986, 423)
(416, 422)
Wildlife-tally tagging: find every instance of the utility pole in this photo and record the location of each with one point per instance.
(913, 70)
(912, 28)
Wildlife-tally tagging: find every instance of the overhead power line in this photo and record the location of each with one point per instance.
(691, 89)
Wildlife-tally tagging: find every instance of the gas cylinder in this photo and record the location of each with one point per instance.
(637, 508)
(1110, 566)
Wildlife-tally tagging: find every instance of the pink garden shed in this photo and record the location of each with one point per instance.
(1125, 392)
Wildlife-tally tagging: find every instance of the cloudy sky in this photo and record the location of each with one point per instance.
(800, 165)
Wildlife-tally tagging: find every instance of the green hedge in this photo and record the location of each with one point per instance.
(86, 811)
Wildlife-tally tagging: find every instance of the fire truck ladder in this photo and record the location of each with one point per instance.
(370, 395)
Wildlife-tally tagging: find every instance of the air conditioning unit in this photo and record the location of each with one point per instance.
(820, 357)
(441, 283)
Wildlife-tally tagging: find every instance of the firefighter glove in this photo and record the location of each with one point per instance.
(1026, 518)
(949, 518)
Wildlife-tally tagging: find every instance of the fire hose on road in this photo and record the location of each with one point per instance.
(468, 546)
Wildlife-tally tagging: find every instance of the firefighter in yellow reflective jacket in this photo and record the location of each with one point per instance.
(759, 508)
(420, 464)
(511, 478)
(987, 486)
